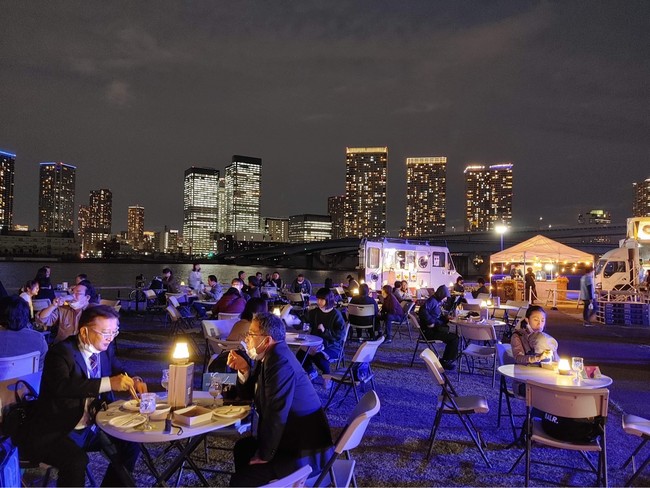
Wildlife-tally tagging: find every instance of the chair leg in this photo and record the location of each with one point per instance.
(633, 455)
(417, 344)
(637, 472)
(434, 429)
(476, 437)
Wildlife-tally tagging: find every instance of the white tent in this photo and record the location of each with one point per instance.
(541, 249)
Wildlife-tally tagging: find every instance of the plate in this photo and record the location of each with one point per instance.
(229, 412)
(132, 405)
(127, 421)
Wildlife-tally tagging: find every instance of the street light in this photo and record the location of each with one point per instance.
(501, 229)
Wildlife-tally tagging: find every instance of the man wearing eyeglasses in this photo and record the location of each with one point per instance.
(292, 429)
(79, 373)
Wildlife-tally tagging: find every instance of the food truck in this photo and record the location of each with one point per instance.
(385, 261)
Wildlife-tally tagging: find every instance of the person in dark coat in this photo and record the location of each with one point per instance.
(364, 298)
(233, 301)
(433, 322)
(79, 373)
(391, 311)
(529, 284)
(292, 430)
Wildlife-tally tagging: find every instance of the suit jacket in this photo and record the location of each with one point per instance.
(293, 430)
(64, 388)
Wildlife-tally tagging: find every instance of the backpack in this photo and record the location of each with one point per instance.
(15, 415)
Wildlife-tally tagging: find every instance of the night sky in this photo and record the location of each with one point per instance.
(133, 93)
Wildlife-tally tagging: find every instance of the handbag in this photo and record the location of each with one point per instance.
(15, 415)
(9, 463)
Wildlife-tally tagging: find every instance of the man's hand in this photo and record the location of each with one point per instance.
(122, 382)
(321, 327)
(236, 362)
(139, 385)
(256, 460)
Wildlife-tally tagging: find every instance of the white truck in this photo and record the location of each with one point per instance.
(385, 261)
(624, 268)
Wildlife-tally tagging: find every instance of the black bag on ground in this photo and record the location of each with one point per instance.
(572, 430)
(15, 415)
(9, 463)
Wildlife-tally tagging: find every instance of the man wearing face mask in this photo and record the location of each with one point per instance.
(292, 429)
(79, 372)
(64, 313)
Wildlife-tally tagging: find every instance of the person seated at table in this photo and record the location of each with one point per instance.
(79, 374)
(27, 293)
(327, 323)
(233, 301)
(301, 285)
(16, 334)
(481, 290)
(169, 282)
(253, 290)
(351, 286)
(391, 311)
(364, 298)
(44, 284)
(94, 296)
(433, 323)
(403, 294)
(523, 351)
(276, 280)
(210, 293)
(292, 430)
(64, 316)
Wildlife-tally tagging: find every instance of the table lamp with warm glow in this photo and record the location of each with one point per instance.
(181, 374)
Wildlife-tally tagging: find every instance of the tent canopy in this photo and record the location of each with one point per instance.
(543, 249)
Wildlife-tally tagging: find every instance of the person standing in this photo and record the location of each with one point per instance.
(588, 296)
(292, 428)
(195, 279)
(529, 284)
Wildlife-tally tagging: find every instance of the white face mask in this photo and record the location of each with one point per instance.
(88, 347)
(252, 351)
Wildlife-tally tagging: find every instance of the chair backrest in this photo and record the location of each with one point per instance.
(414, 320)
(407, 307)
(294, 297)
(361, 310)
(173, 300)
(351, 437)
(476, 332)
(295, 479)
(573, 403)
(150, 294)
(483, 297)
(40, 303)
(285, 311)
(110, 303)
(435, 368)
(228, 316)
(8, 388)
(504, 354)
(218, 328)
(367, 350)
(173, 313)
(339, 290)
(217, 345)
(15, 366)
(270, 291)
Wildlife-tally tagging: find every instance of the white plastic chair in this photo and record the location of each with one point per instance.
(294, 480)
(504, 356)
(449, 402)
(21, 365)
(397, 325)
(361, 312)
(422, 339)
(228, 316)
(476, 351)
(40, 303)
(640, 427)
(214, 333)
(340, 472)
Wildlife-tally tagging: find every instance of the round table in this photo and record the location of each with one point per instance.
(298, 339)
(524, 374)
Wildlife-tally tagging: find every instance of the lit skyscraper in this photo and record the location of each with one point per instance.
(365, 191)
(336, 211)
(309, 228)
(200, 210)
(56, 197)
(7, 170)
(243, 190)
(641, 204)
(426, 196)
(135, 226)
(276, 229)
(489, 196)
(222, 202)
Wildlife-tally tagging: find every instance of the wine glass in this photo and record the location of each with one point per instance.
(577, 365)
(147, 407)
(214, 390)
(164, 381)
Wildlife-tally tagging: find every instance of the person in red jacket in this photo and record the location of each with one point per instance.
(232, 301)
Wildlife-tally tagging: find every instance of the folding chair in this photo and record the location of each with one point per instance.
(153, 305)
(422, 339)
(351, 376)
(340, 361)
(571, 403)
(639, 427)
(504, 356)
(294, 480)
(21, 365)
(228, 316)
(408, 308)
(362, 317)
(476, 351)
(450, 403)
(340, 472)
(213, 331)
(179, 326)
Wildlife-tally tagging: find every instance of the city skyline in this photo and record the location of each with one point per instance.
(132, 98)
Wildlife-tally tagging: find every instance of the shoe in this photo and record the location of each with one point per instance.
(327, 383)
(388, 340)
(448, 365)
(588, 324)
(313, 374)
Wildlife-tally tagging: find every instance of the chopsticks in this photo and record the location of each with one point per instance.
(132, 390)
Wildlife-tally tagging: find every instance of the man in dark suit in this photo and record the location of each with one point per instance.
(79, 372)
(292, 430)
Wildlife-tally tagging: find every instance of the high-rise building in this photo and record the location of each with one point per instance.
(426, 196)
(56, 197)
(135, 226)
(488, 192)
(200, 210)
(83, 224)
(95, 219)
(641, 204)
(365, 191)
(243, 179)
(7, 170)
(309, 228)
(336, 211)
(222, 202)
(276, 229)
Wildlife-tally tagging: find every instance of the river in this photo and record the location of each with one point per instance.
(14, 274)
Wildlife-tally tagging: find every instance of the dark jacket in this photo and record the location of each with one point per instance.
(304, 287)
(334, 329)
(231, 302)
(430, 313)
(293, 428)
(391, 307)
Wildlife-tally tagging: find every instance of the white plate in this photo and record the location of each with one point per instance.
(127, 421)
(229, 412)
(132, 405)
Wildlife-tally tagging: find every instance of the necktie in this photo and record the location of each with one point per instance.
(94, 366)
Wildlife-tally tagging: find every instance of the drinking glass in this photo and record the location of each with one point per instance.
(214, 390)
(577, 365)
(147, 407)
(164, 381)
